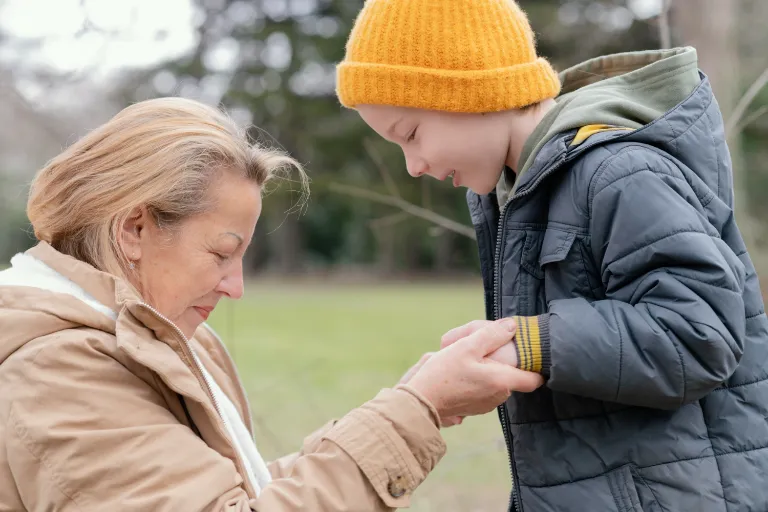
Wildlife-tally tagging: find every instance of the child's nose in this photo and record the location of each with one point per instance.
(416, 167)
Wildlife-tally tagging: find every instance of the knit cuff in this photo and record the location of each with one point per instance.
(532, 343)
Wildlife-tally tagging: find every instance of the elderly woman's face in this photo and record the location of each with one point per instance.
(185, 273)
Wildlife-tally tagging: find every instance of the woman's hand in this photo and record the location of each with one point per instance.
(445, 422)
(506, 354)
(461, 379)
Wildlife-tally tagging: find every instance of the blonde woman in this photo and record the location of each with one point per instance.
(115, 393)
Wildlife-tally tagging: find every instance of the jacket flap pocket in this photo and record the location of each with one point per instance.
(610, 492)
(556, 245)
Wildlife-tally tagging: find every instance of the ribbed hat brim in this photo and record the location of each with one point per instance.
(446, 90)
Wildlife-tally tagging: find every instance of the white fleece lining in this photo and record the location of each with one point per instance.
(31, 272)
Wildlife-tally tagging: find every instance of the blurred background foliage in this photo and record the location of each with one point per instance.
(349, 293)
(271, 63)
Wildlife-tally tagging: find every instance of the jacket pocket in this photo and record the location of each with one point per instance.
(624, 491)
(610, 492)
(563, 264)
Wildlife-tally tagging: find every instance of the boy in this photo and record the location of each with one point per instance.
(603, 205)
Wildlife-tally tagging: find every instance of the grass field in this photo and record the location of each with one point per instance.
(311, 352)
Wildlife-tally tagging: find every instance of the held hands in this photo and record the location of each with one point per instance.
(473, 373)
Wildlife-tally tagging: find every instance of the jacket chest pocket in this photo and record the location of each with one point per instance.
(559, 261)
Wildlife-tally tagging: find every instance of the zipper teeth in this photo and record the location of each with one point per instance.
(502, 409)
(239, 463)
(198, 365)
(234, 366)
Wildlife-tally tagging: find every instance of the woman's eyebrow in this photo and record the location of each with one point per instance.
(239, 238)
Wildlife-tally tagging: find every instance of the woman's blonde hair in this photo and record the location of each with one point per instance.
(162, 154)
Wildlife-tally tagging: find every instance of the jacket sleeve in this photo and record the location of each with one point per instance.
(371, 459)
(88, 434)
(672, 324)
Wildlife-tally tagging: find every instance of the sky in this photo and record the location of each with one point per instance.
(127, 31)
(126, 35)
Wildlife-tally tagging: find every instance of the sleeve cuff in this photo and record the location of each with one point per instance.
(394, 441)
(532, 343)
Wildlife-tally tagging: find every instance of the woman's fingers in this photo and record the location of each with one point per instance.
(415, 368)
(490, 337)
(462, 331)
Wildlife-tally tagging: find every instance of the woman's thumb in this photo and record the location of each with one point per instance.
(492, 336)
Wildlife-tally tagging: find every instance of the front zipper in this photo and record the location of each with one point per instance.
(517, 504)
(208, 388)
(502, 409)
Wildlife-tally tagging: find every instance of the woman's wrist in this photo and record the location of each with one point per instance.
(425, 402)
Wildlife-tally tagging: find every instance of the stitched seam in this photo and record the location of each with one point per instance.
(692, 123)
(646, 168)
(642, 481)
(714, 147)
(721, 339)
(677, 461)
(613, 487)
(717, 463)
(704, 201)
(583, 258)
(625, 151)
(621, 351)
(682, 365)
(587, 417)
(750, 383)
(750, 317)
(399, 456)
(689, 278)
(25, 441)
(669, 235)
(693, 322)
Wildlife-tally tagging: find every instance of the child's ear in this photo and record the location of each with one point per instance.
(131, 233)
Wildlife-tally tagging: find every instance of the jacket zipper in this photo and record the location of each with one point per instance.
(517, 504)
(502, 409)
(207, 386)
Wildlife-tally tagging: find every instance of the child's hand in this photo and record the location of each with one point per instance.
(507, 354)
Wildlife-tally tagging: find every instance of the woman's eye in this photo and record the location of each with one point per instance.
(221, 257)
(412, 134)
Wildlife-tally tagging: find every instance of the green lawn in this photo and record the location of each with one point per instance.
(308, 353)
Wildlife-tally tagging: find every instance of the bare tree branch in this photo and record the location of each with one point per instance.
(385, 174)
(388, 220)
(744, 102)
(751, 118)
(405, 206)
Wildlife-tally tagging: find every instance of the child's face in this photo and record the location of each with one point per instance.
(471, 147)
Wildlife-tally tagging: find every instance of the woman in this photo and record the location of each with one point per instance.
(116, 394)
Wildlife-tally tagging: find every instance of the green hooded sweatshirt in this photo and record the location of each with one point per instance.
(622, 91)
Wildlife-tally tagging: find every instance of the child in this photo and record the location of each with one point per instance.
(603, 204)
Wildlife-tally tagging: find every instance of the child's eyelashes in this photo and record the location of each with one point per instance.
(412, 135)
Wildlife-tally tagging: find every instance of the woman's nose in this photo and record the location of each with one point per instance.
(232, 284)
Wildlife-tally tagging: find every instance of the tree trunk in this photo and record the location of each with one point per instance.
(712, 27)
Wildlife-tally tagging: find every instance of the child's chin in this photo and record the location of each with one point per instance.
(482, 190)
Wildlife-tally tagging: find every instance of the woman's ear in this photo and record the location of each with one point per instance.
(132, 232)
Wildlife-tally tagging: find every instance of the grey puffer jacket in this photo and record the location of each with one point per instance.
(623, 254)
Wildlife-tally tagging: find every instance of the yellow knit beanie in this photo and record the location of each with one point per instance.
(449, 55)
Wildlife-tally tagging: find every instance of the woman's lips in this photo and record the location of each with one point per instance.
(203, 311)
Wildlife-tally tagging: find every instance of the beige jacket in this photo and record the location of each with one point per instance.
(103, 408)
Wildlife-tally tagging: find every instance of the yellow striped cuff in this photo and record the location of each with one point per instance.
(531, 338)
